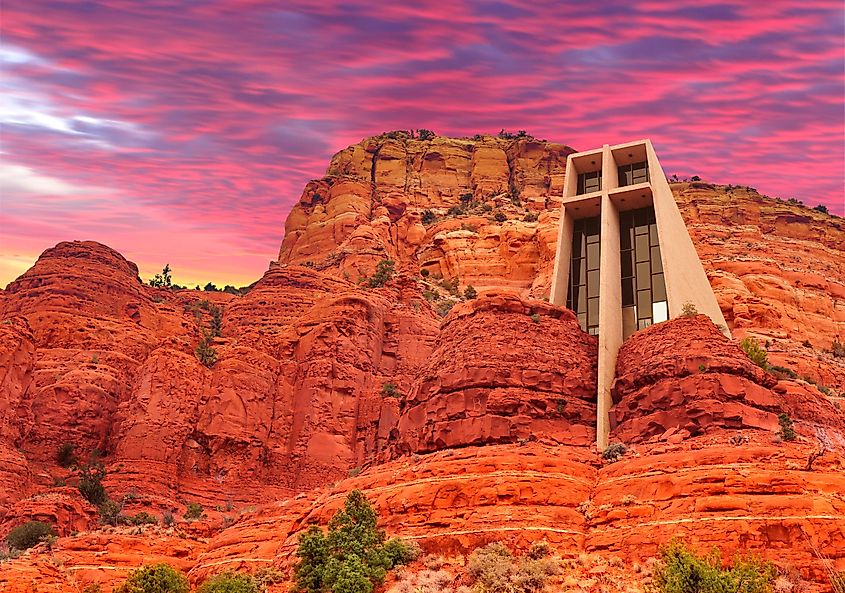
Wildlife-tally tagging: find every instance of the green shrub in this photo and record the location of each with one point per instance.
(689, 310)
(384, 273)
(535, 318)
(787, 432)
(784, 371)
(29, 534)
(205, 353)
(425, 134)
(470, 293)
(352, 556)
(450, 286)
(162, 280)
(193, 511)
(466, 197)
(157, 578)
(65, 456)
(500, 216)
(539, 549)
(390, 390)
(143, 518)
(424, 273)
(755, 352)
(614, 452)
(837, 349)
(682, 571)
(230, 582)
(530, 217)
(216, 320)
(444, 307)
(90, 483)
(493, 569)
(111, 513)
(428, 217)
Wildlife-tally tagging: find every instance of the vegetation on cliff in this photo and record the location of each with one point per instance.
(353, 556)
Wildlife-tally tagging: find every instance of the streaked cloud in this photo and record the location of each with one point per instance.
(208, 118)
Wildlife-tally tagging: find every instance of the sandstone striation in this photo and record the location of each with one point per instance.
(465, 419)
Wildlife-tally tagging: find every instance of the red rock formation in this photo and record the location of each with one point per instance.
(503, 370)
(491, 436)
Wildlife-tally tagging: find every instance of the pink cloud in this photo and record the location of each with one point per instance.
(208, 121)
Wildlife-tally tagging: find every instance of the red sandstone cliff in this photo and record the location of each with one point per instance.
(465, 429)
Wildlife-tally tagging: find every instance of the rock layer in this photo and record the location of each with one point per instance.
(490, 435)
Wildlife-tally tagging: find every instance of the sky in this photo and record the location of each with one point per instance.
(183, 132)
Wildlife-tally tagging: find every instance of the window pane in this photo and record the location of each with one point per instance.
(627, 292)
(626, 236)
(593, 310)
(593, 255)
(656, 263)
(642, 248)
(593, 283)
(577, 272)
(627, 264)
(659, 312)
(652, 233)
(629, 321)
(643, 275)
(659, 288)
(644, 301)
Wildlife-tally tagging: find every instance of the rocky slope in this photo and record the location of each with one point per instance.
(473, 427)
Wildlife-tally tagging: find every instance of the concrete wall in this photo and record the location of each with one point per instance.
(610, 317)
(560, 276)
(684, 275)
(686, 280)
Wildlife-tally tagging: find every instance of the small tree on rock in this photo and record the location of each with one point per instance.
(352, 556)
(162, 280)
(158, 578)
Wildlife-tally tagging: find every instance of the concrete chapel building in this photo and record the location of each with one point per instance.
(624, 257)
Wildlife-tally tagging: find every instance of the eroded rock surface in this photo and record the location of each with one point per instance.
(463, 426)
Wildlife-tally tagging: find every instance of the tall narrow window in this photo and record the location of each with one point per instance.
(589, 182)
(633, 173)
(643, 288)
(583, 294)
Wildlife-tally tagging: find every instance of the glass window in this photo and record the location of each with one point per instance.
(658, 287)
(641, 245)
(593, 255)
(659, 311)
(656, 262)
(583, 292)
(633, 173)
(627, 291)
(626, 238)
(644, 301)
(627, 264)
(589, 182)
(593, 309)
(646, 288)
(593, 283)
